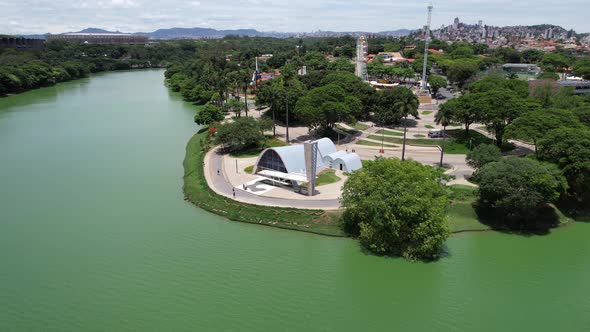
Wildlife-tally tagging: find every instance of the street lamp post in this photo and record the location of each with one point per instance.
(338, 129)
(442, 148)
(274, 122)
(382, 138)
(287, 122)
(405, 134)
(246, 98)
(441, 154)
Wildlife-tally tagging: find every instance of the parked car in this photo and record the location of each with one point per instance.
(435, 133)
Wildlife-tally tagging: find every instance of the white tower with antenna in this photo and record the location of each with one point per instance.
(423, 83)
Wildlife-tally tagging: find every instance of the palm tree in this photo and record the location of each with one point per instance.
(444, 116)
(407, 103)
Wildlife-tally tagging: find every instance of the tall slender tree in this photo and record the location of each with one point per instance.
(407, 103)
(443, 117)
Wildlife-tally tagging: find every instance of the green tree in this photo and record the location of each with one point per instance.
(569, 148)
(515, 190)
(500, 108)
(508, 55)
(273, 93)
(462, 52)
(544, 93)
(315, 61)
(582, 68)
(444, 117)
(278, 59)
(397, 208)
(418, 66)
(482, 155)
(555, 62)
(313, 79)
(241, 134)
(209, 114)
(446, 114)
(462, 70)
(565, 98)
(394, 105)
(436, 82)
(235, 105)
(548, 76)
(322, 107)
(464, 110)
(489, 83)
(532, 56)
(342, 64)
(354, 86)
(583, 114)
(533, 126)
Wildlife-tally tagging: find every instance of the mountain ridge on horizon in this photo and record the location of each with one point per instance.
(210, 33)
(198, 32)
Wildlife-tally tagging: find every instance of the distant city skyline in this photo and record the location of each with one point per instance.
(56, 16)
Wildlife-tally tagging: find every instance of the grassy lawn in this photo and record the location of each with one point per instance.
(462, 216)
(256, 150)
(474, 139)
(369, 143)
(419, 136)
(427, 112)
(360, 126)
(390, 133)
(197, 191)
(429, 127)
(456, 142)
(249, 169)
(327, 177)
(352, 132)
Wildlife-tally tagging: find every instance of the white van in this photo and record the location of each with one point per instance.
(435, 133)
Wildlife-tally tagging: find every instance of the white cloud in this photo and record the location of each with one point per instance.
(278, 15)
(119, 4)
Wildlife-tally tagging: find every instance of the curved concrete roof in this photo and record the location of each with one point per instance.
(293, 156)
(352, 162)
(326, 146)
(331, 157)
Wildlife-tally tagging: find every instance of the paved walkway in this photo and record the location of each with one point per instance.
(235, 173)
(218, 182)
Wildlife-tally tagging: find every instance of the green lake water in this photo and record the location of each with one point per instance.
(95, 236)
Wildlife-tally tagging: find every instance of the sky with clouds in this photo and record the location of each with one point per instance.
(55, 16)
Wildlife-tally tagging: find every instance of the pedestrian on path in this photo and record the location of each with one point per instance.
(234, 192)
(217, 172)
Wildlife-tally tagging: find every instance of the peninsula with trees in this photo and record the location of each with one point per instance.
(485, 147)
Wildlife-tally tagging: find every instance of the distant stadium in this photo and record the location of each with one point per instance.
(100, 38)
